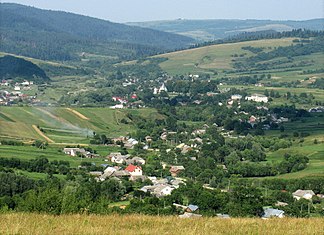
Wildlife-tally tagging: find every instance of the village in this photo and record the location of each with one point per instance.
(128, 167)
(13, 92)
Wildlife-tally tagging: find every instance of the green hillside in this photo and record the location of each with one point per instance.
(286, 59)
(55, 35)
(215, 57)
(18, 68)
(64, 125)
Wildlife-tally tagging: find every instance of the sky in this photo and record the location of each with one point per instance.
(147, 10)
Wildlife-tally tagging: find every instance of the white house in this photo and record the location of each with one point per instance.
(257, 98)
(17, 88)
(119, 159)
(306, 194)
(117, 106)
(163, 88)
(74, 151)
(163, 190)
(236, 97)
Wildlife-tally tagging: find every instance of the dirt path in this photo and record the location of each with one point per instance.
(78, 114)
(42, 134)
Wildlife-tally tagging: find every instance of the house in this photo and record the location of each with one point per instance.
(236, 97)
(199, 132)
(223, 216)
(257, 98)
(162, 190)
(176, 183)
(130, 143)
(179, 206)
(25, 83)
(148, 138)
(163, 88)
(270, 213)
(158, 190)
(185, 149)
(121, 173)
(316, 110)
(189, 215)
(136, 160)
(95, 173)
(134, 170)
(118, 157)
(192, 208)
(281, 204)
(306, 194)
(117, 106)
(175, 170)
(74, 151)
(17, 88)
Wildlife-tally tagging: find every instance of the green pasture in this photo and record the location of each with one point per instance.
(215, 57)
(315, 153)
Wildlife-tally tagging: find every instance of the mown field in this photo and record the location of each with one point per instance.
(63, 125)
(21, 223)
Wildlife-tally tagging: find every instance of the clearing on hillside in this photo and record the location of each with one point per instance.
(205, 59)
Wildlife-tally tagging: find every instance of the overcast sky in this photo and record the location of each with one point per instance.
(146, 10)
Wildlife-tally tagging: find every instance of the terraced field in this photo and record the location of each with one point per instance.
(63, 125)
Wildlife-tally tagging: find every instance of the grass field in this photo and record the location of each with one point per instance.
(52, 152)
(22, 223)
(315, 153)
(219, 57)
(64, 125)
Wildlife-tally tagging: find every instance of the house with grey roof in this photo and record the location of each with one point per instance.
(306, 194)
(192, 208)
(271, 213)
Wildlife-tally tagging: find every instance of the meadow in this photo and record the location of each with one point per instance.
(22, 223)
(215, 57)
(52, 152)
(64, 125)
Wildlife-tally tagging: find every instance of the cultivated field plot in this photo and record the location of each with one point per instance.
(66, 125)
(22, 223)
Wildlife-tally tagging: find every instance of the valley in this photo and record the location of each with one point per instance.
(115, 120)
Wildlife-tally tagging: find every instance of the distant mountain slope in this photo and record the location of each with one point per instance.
(57, 35)
(13, 67)
(206, 30)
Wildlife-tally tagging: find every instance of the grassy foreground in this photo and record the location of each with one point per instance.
(21, 223)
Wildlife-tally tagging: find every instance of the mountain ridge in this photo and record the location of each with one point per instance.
(61, 35)
(211, 29)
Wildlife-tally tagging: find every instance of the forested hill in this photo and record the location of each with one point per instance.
(19, 69)
(56, 35)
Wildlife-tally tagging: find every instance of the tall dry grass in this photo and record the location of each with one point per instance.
(24, 223)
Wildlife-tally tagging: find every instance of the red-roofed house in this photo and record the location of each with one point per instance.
(134, 170)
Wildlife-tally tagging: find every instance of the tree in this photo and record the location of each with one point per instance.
(245, 201)
(113, 189)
